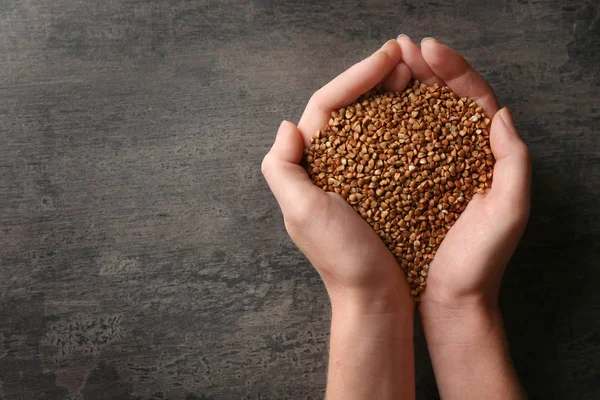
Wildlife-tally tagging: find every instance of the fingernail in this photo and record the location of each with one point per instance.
(507, 118)
(402, 35)
(389, 41)
(426, 38)
(280, 130)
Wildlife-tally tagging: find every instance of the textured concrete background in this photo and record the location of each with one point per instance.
(142, 255)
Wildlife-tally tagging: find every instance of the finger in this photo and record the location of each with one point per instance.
(459, 75)
(397, 79)
(288, 181)
(512, 172)
(347, 87)
(411, 55)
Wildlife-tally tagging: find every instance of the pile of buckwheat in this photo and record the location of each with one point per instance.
(408, 162)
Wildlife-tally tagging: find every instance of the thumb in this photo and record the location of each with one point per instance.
(289, 145)
(512, 172)
(288, 181)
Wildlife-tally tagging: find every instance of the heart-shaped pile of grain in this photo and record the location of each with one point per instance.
(408, 162)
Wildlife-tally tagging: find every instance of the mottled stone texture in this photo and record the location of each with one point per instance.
(142, 255)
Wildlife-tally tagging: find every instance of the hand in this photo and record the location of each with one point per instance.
(371, 342)
(459, 311)
(351, 259)
(471, 259)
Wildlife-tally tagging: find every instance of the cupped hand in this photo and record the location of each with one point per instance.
(351, 259)
(343, 248)
(471, 259)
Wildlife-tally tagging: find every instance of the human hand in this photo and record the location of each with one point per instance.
(351, 259)
(469, 264)
(459, 311)
(371, 341)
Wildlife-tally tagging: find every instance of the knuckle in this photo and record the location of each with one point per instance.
(317, 99)
(267, 165)
(516, 218)
(316, 96)
(301, 213)
(510, 212)
(298, 215)
(524, 153)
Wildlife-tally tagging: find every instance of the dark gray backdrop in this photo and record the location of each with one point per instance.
(141, 253)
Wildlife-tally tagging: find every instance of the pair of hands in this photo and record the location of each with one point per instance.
(344, 249)
(359, 272)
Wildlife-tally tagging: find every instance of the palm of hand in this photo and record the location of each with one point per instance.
(470, 260)
(343, 247)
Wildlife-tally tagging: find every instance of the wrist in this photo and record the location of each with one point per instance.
(382, 317)
(389, 298)
(469, 333)
(442, 305)
(371, 344)
(460, 321)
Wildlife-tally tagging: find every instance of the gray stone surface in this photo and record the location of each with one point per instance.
(141, 253)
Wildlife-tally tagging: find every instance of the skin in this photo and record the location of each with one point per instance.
(371, 345)
(459, 309)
